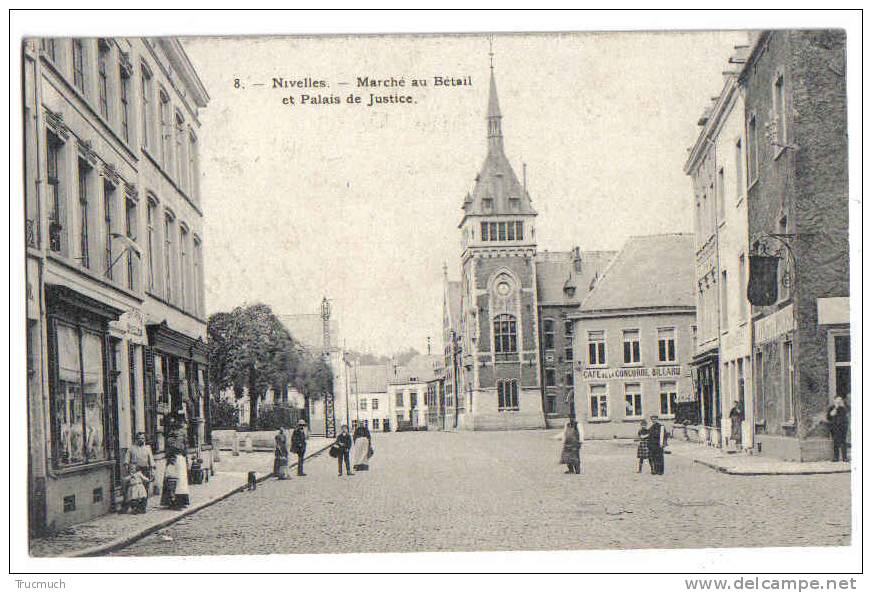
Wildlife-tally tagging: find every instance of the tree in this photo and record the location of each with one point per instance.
(314, 377)
(250, 348)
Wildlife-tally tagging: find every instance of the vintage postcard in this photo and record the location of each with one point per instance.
(329, 294)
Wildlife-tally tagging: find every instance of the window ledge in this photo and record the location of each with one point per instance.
(83, 467)
(599, 420)
(633, 418)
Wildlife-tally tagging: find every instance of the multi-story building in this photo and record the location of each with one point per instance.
(407, 392)
(633, 337)
(114, 231)
(368, 397)
(723, 341)
(797, 194)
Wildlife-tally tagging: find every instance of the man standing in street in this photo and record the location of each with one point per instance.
(298, 445)
(838, 419)
(656, 444)
(140, 457)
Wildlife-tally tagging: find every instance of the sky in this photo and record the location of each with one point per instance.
(361, 204)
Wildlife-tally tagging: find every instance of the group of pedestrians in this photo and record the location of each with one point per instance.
(651, 446)
(353, 452)
(285, 447)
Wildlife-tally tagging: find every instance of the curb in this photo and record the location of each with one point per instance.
(123, 542)
(739, 472)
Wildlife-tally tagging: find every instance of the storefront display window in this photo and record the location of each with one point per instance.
(78, 399)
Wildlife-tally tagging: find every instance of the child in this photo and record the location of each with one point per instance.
(137, 490)
(642, 447)
(171, 480)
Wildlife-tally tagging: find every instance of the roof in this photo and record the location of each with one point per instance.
(496, 180)
(371, 378)
(653, 271)
(556, 272)
(308, 329)
(420, 369)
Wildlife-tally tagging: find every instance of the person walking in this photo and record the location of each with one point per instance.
(298, 445)
(838, 417)
(343, 444)
(361, 448)
(642, 453)
(656, 444)
(280, 465)
(737, 416)
(570, 455)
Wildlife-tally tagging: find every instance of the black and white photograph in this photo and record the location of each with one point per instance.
(416, 295)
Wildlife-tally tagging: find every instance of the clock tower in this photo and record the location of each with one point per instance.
(499, 382)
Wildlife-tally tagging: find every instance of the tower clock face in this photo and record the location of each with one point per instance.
(503, 288)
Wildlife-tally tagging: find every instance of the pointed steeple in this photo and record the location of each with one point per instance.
(494, 116)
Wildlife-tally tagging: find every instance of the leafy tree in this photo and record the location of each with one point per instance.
(314, 377)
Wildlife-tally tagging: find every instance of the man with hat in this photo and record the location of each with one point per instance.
(298, 444)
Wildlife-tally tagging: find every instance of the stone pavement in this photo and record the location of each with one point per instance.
(434, 491)
(745, 464)
(115, 530)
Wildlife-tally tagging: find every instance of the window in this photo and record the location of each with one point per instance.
(507, 392)
(363, 404)
(484, 234)
(724, 304)
(633, 400)
(666, 344)
(78, 65)
(492, 231)
(550, 404)
(53, 188)
(567, 353)
(779, 110)
(400, 403)
(102, 76)
(124, 92)
(742, 293)
(502, 231)
(632, 350)
(165, 130)
(596, 348)
(789, 375)
(146, 107)
(740, 181)
(842, 365)
(181, 157)
(548, 334)
(376, 424)
(413, 400)
(568, 379)
(505, 334)
(719, 195)
(168, 256)
(740, 381)
(550, 377)
(193, 167)
(150, 219)
(567, 327)
(196, 284)
(84, 173)
(374, 404)
(510, 231)
(752, 150)
(77, 396)
(519, 230)
(108, 198)
(184, 302)
(130, 223)
(668, 396)
(599, 402)
(488, 204)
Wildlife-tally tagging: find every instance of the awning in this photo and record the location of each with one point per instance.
(162, 337)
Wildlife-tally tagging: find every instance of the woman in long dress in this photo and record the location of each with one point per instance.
(280, 465)
(176, 491)
(361, 448)
(570, 455)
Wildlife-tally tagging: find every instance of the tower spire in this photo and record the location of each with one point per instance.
(494, 116)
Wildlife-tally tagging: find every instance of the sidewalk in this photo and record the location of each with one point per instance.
(743, 464)
(114, 530)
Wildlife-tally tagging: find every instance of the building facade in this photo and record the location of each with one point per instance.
(407, 392)
(633, 338)
(797, 191)
(114, 251)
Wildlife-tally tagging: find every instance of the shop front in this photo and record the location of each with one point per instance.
(707, 388)
(82, 409)
(176, 390)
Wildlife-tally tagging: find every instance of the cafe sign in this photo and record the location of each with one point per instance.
(657, 372)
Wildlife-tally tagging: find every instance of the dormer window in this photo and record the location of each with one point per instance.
(514, 203)
(488, 204)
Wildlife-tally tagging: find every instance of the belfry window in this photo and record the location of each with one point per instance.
(505, 334)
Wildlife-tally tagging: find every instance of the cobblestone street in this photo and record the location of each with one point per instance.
(505, 491)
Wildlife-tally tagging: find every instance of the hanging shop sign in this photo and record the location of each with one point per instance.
(763, 283)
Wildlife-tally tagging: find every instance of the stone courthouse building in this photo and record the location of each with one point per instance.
(506, 331)
(116, 322)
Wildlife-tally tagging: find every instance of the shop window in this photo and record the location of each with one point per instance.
(77, 396)
(633, 400)
(599, 402)
(507, 392)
